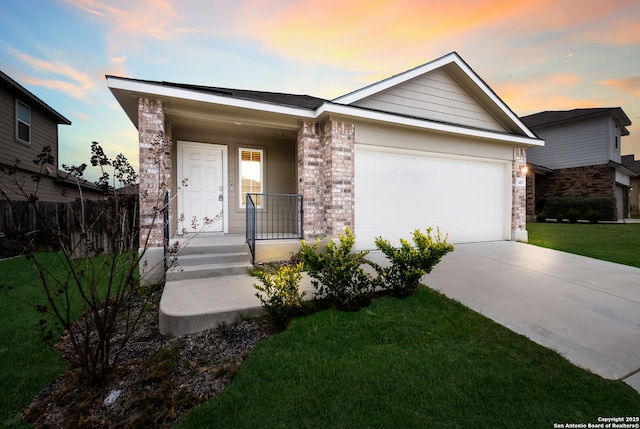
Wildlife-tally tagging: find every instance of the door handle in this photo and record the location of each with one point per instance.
(220, 197)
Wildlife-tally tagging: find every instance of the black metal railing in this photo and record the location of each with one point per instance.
(272, 217)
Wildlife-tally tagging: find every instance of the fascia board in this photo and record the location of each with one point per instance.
(170, 92)
(337, 109)
(326, 108)
(494, 98)
(392, 81)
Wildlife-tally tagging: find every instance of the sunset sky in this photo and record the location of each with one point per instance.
(536, 55)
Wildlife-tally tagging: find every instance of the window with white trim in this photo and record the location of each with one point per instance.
(251, 177)
(23, 122)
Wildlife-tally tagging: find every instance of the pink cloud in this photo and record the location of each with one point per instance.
(72, 81)
(631, 85)
(382, 37)
(130, 23)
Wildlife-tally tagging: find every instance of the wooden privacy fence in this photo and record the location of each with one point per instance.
(89, 227)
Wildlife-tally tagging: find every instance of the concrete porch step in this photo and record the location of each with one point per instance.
(204, 271)
(201, 248)
(189, 306)
(187, 260)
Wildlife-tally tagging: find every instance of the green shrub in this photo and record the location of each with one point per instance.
(280, 292)
(592, 209)
(336, 271)
(409, 263)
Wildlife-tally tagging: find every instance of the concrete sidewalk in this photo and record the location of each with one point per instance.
(585, 309)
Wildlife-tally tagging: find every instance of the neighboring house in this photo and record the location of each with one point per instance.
(27, 126)
(433, 146)
(633, 164)
(581, 157)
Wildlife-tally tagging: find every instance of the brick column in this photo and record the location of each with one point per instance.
(338, 176)
(531, 195)
(326, 177)
(155, 164)
(152, 170)
(310, 165)
(519, 196)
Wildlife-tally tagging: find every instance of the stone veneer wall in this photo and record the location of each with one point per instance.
(531, 195)
(590, 181)
(326, 176)
(155, 170)
(519, 196)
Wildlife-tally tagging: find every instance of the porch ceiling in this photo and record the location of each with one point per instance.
(201, 117)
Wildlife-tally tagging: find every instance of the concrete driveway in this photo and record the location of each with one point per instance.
(585, 309)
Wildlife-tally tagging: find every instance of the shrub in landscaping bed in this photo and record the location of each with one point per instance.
(592, 209)
(410, 262)
(280, 292)
(337, 271)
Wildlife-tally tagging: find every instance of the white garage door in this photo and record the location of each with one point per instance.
(398, 191)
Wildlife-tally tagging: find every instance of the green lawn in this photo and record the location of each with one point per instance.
(28, 364)
(423, 361)
(617, 242)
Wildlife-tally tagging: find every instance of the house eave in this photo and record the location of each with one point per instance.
(393, 119)
(29, 96)
(121, 88)
(128, 91)
(622, 169)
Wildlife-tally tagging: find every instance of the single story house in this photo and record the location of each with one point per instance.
(432, 146)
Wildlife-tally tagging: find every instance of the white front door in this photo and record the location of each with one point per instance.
(202, 193)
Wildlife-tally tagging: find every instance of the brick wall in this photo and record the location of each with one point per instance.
(155, 167)
(326, 176)
(519, 191)
(531, 195)
(590, 181)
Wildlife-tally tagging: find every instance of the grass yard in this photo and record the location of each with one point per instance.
(28, 364)
(422, 361)
(616, 242)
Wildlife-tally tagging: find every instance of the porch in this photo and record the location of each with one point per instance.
(207, 281)
(210, 284)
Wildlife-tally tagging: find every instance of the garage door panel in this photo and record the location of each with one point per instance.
(398, 192)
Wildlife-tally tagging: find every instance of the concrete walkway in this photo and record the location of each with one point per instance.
(585, 309)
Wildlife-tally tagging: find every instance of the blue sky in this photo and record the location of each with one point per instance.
(536, 55)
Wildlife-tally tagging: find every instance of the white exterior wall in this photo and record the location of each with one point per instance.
(614, 132)
(575, 144)
(436, 96)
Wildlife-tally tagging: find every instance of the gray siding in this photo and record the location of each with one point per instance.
(575, 144)
(436, 96)
(44, 132)
(614, 132)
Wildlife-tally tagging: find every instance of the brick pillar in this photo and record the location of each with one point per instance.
(310, 165)
(152, 170)
(519, 196)
(326, 177)
(531, 195)
(338, 176)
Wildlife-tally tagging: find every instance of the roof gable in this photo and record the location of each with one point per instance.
(26, 95)
(444, 90)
